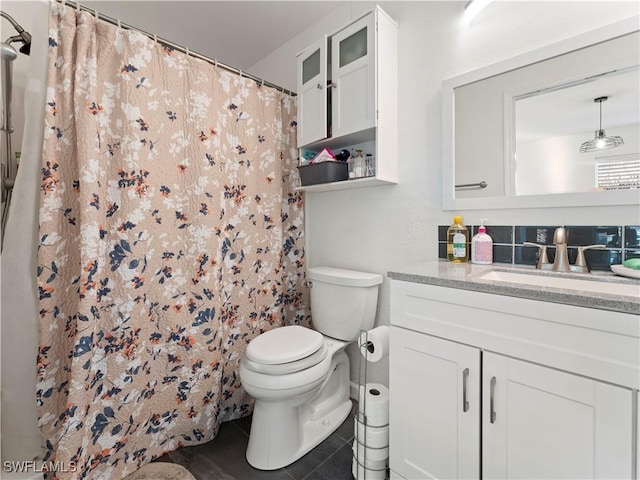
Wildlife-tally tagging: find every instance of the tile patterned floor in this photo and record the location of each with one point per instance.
(223, 458)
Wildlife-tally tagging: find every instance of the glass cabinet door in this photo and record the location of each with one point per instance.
(312, 93)
(353, 99)
(353, 47)
(311, 67)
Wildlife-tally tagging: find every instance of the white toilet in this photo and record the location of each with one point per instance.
(300, 377)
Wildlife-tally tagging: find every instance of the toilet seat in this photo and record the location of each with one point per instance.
(284, 345)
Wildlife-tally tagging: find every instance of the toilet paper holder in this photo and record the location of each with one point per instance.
(371, 418)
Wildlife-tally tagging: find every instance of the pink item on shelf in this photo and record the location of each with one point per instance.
(325, 155)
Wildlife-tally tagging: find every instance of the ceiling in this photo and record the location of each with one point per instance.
(572, 110)
(237, 33)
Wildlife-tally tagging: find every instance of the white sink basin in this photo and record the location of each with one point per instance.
(581, 285)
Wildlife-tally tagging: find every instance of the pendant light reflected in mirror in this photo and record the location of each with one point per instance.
(601, 141)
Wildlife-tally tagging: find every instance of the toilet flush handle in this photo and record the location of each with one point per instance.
(308, 284)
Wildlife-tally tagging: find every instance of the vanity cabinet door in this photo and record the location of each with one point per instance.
(434, 407)
(637, 437)
(312, 93)
(542, 423)
(353, 77)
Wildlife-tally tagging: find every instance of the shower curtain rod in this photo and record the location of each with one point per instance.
(120, 24)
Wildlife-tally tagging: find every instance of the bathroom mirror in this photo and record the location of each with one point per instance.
(517, 127)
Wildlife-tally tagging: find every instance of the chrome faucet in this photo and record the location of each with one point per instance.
(561, 261)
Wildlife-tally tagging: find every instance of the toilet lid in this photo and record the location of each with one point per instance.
(287, 368)
(284, 345)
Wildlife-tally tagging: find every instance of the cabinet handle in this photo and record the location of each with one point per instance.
(319, 86)
(492, 391)
(333, 85)
(465, 403)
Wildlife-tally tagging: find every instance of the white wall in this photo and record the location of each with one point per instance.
(384, 228)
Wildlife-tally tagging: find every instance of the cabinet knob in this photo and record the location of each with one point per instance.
(319, 86)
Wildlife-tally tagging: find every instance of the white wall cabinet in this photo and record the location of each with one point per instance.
(347, 96)
(353, 77)
(463, 405)
(312, 93)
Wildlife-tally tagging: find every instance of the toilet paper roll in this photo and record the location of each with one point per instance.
(374, 344)
(375, 437)
(376, 470)
(373, 406)
(366, 455)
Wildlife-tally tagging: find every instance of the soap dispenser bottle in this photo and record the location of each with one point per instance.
(482, 246)
(457, 241)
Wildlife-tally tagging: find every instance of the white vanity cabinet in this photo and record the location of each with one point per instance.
(487, 386)
(435, 407)
(347, 95)
(539, 422)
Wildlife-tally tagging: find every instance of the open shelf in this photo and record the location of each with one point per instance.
(346, 184)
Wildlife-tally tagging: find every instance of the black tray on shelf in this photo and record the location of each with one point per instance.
(323, 172)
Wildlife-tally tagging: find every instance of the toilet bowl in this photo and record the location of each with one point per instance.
(299, 377)
(295, 411)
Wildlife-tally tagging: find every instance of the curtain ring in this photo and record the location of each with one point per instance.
(186, 50)
(262, 83)
(119, 24)
(215, 62)
(78, 7)
(155, 39)
(63, 3)
(97, 15)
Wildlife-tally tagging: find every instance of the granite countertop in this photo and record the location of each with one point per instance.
(466, 276)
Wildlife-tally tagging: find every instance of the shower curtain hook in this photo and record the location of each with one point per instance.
(78, 7)
(215, 62)
(63, 3)
(186, 50)
(155, 39)
(97, 15)
(119, 24)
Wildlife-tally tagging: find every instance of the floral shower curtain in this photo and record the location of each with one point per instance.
(170, 236)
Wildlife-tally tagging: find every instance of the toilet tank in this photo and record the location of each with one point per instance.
(343, 302)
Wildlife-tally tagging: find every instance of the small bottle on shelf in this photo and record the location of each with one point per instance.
(370, 165)
(357, 165)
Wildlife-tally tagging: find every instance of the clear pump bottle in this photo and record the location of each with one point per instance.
(458, 241)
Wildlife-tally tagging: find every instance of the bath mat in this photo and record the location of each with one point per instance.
(161, 471)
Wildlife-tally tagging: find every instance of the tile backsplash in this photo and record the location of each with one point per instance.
(621, 243)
